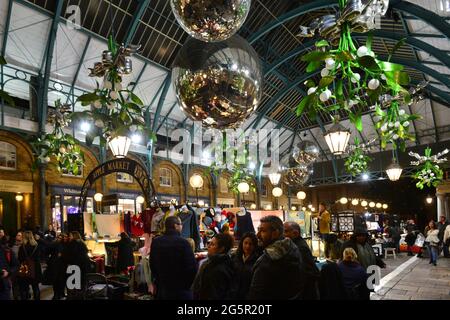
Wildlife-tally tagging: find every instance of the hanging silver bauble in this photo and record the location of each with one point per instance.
(305, 152)
(218, 83)
(296, 176)
(107, 56)
(211, 20)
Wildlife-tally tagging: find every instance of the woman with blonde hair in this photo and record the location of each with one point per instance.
(30, 257)
(354, 276)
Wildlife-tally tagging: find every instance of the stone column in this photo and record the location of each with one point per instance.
(440, 199)
(446, 207)
(42, 197)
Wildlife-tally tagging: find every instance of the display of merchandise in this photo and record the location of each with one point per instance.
(346, 223)
(190, 225)
(147, 217)
(127, 223)
(244, 223)
(137, 227)
(156, 227)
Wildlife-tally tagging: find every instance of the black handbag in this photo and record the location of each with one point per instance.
(27, 269)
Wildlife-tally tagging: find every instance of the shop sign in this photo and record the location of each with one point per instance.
(110, 200)
(16, 186)
(125, 165)
(226, 201)
(125, 195)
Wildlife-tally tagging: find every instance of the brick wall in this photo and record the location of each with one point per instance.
(23, 172)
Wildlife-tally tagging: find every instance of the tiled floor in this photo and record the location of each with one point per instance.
(419, 280)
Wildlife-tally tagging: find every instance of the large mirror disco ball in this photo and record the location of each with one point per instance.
(296, 176)
(218, 83)
(210, 20)
(305, 152)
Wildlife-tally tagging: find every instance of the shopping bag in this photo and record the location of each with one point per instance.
(420, 240)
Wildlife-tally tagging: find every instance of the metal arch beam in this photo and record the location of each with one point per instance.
(442, 94)
(420, 67)
(427, 16)
(167, 116)
(83, 30)
(440, 101)
(408, 63)
(165, 89)
(139, 77)
(305, 8)
(282, 124)
(333, 159)
(280, 94)
(423, 14)
(292, 54)
(48, 63)
(416, 43)
(3, 52)
(142, 6)
(413, 42)
(293, 84)
(156, 95)
(6, 29)
(438, 54)
(436, 134)
(318, 144)
(80, 63)
(406, 28)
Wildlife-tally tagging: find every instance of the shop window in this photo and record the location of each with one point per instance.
(7, 156)
(223, 185)
(263, 190)
(69, 173)
(165, 177)
(124, 177)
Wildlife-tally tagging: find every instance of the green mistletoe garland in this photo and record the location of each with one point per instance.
(429, 173)
(358, 161)
(239, 170)
(360, 81)
(58, 144)
(115, 111)
(393, 125)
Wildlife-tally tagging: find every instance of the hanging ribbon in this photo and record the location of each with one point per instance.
(365, 147)
(428, 157)
(360, 15)
(414, 92)
(58, 116)
(121, 62)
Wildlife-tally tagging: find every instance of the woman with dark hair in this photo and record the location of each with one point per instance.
(433, 241)
(55, 273)
(30, 255)
(125, 257)
(75, 252)
(243, 260)
(215, 277)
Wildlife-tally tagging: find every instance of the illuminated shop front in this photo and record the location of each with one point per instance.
(65, 202)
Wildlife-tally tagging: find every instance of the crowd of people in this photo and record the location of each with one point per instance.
(436, 239)
(274, 263)
(22, 258)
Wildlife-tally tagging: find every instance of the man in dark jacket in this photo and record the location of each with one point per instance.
(125, 256)
(172, 263)
(441, 227)
(278, 272)
(364, 251)
(8, 265)
(310, 270)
